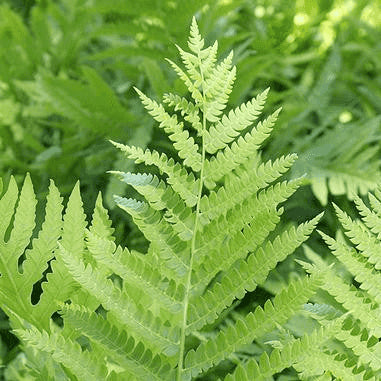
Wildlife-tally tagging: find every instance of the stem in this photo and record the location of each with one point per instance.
(193, 246)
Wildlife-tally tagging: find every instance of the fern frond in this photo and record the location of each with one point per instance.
(239, 152)
(184, 144)
(362, 308)
(279, 359)
(217, 89)
(245, 275)
(7, 207)
(239, 188)
(365, 242)
(248, 216)
(16, 286)
(101, 223)
(82, 363)
(229, 127)
(370, 218)
(141, 323)
(338, 366)
(192, 87)
(118, 345)
(59, 286)
(366, 347)
(195, 41)
(160, 196)
(137, 272)
(252, 326)
(185, 184)
(188, 110)
(368, 278)
(160, 233)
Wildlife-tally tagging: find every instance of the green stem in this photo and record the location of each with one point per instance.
(193, 247)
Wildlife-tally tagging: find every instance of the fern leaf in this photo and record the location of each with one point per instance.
(360, 307)
(361, 237)
(136, 272)
(168, 246)
(59, 286)
(239, 188)
(245, 275)
(371, 219)
(279, 359)
(366, 347)
(192, 87)
(217, 89)
(261, 207)
(320, 361)
(229, 127)
(183, 183)
(252, 326)
(160, 196)
(195, 41)
(16, 287)
(184, 144)
(101, 223)
(188, 110)
(123, 308)
(118, 345)
(367, 277)
(67, 352)
(7, 206)
(239, 152)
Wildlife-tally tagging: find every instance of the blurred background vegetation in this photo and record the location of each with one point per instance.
(67, 69)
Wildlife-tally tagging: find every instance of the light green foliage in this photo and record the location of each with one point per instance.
(164, 314)
(208, 288)
(360, 333)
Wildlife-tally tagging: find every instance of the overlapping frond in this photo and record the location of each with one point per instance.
(293, 352)
(359, 356)
(118, 345)
(85, 365)
(253, 325)
(124, 309)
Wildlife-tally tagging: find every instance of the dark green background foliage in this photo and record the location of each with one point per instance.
(67, 71)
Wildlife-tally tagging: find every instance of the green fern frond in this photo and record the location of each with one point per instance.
(138, 273)
(253, 325)
(366, 347)
(167, 245)
(209, 218)
(195, 42)
(118, 345)
(160, 196)
(16, 285)
(336, 365)
(184, 144)
(365, 242)
(185, 184)
(81, 362)
(229, 127)
(239, 187)
(362, 308)
(279, 359)
(368, 278)
(142, 322)
(245, 275)
(239, 152)
(188, 110)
